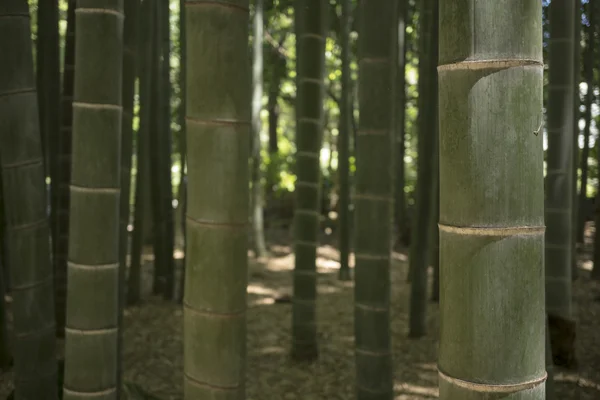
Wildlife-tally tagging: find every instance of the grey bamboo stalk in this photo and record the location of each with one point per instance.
(61, 238)
(310, 66)
(344, 144)
(491, 201)
(257, 85)
(26, 228)
(559, 174)
(218, 132)
(420, 250)
(91, 349)
(374, 199)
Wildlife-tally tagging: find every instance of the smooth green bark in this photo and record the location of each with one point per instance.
(218, 131)
(559, 174)
(61, 238)
(374, 199)
(26, 227)
(91, 332)
(343, 145)
(491, 201)
(427, 119)
(258, 231)
(310, 68)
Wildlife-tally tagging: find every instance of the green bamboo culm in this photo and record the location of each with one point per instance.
(258, 229)
(182, 143)
(160, 153)
(166, 225)
(492, 323)
(310, 17)
(400, 122)
(559, 174)
(343, 144)
(62, 183)
(26, 226)
(218, 132)
(588, 71)
(48, 83)
(91, 332)
(143, 51)
(374, 199)
(575, 136)
(420, 249)
(130, 31)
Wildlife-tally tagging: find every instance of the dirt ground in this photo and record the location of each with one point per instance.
(153, 347)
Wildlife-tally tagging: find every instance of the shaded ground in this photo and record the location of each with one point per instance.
(153, 348)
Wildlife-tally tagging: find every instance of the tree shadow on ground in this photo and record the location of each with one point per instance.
(153, 341)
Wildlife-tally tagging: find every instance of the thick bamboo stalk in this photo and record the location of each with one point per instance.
(91, 332)
(491, 201)
(218, 132)
(26, 235)
(310, 67)
(374, 199)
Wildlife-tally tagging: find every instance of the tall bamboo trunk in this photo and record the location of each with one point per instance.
(374, 199)
(589, 99)
(218, 131)
(575, 212)
(48, 82)
(26, 228)
(166, 226)
(61, 238)
(491, 201)
(182, 141)
(310, 66)
(344, 144)
(559, 175)
(130, 31)
(420, 250)
(400, 129)
(258, 230)
(142, 201)
(91, 346)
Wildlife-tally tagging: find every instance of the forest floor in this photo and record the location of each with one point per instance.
(153, 346)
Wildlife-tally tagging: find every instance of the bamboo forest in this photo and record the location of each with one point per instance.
(299, 200)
